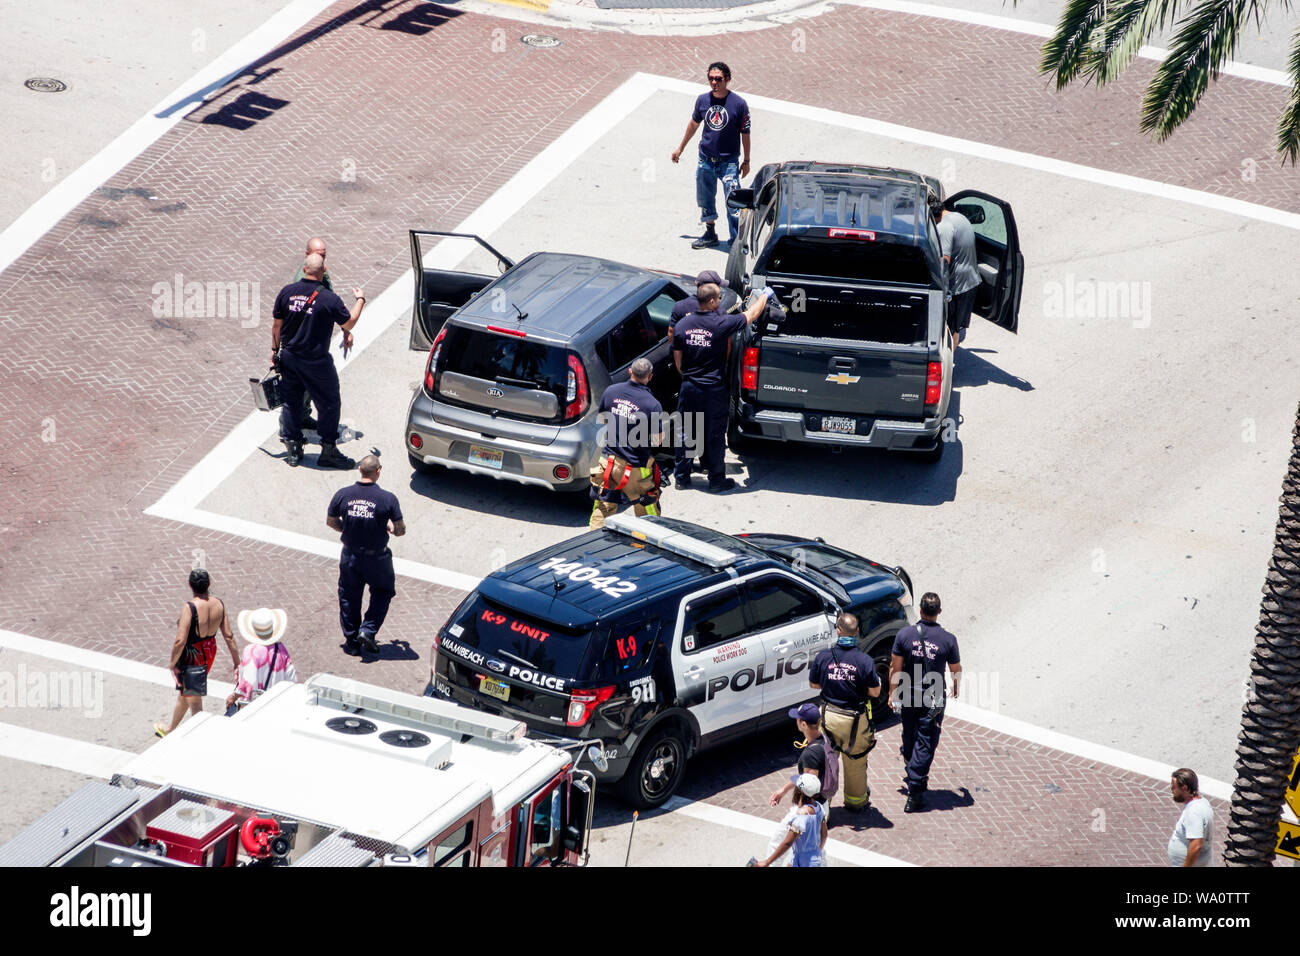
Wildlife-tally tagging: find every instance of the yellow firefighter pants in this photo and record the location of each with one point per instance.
(640, 481)
(840, 727)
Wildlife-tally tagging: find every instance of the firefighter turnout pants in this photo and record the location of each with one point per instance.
(613, 479)
(850, 735)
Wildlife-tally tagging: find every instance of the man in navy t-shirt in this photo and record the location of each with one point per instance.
(916, 681)
(725, 117)
(631, 424)
(691, 304)
(701, 349)
(365, 514)
(305, 314)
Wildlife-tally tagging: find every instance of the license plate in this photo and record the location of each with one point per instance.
(442, 687)
(495, 688)
(488, 457)
(843, 426)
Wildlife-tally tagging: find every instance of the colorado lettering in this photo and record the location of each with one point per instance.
(747, 677)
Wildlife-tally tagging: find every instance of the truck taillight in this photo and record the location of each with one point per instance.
(583, 702)
(749, 370)
(933, 386)
(575, 393)
(433, 361)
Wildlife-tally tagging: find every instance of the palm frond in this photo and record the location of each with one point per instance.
(1288, 127)
(1066, 52)
(1206, 38)
(1127, 26)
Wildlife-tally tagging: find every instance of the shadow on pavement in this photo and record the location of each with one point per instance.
(503, 499)
(972, 371)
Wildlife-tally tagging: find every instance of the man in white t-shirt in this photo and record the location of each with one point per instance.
(1191, 843)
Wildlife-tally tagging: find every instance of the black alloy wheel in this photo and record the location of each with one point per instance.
(655, 771)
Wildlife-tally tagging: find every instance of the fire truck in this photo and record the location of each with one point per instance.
(331, 772)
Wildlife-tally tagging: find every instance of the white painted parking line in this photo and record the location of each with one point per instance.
(47, 211)
(96, 661)
(64, 753)
(761, 827)
(1015, 25)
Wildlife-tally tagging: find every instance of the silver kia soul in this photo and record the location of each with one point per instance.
(518, 363)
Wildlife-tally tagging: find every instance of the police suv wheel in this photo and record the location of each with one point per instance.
(655, 772)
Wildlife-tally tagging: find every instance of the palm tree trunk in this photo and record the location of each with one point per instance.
(1270, 722)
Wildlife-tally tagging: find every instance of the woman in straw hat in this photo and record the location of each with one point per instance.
(265, 661)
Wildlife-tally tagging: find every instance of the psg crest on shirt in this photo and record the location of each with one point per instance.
(716, 117)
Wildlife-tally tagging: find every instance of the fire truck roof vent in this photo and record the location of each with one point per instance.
(353, 726)
(404, 738)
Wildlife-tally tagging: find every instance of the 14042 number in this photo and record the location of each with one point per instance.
(575, 571)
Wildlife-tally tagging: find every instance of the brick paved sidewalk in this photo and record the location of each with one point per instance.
(379, 117)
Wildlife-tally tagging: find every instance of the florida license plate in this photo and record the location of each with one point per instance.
(487, 457)
(495, 688)
(842, 426)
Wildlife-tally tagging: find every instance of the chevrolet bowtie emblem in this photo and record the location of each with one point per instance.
(843, 378)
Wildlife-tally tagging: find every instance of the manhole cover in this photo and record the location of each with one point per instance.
(45, 84)
(540, 40)
(404, 738)
(351, 725)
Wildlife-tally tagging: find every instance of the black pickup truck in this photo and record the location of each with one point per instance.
(863, 355)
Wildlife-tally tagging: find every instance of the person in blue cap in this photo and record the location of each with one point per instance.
(814, 758)
(847, 680)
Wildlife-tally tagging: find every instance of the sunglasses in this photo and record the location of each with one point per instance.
(716, 79)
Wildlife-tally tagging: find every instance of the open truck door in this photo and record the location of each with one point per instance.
(440, 292)
(997, 250)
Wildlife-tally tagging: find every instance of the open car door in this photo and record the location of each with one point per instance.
(440, 292)
(997, 249)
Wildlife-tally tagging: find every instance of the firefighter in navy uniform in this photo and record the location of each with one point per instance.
(631, 418)
(365, 514)
(305, 315)
(847, 680)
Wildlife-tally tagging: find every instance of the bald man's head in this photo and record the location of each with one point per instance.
(368, 466)
(316, 246)
(313, 266)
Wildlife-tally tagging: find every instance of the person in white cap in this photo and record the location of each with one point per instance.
(805, 826)
(265, 661)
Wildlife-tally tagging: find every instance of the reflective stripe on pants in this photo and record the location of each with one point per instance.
(635, 482)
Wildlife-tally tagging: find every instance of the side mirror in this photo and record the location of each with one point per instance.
(596, 755)
(971, 211)
(741, 199)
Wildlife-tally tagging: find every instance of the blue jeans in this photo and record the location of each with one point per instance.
(707, 174)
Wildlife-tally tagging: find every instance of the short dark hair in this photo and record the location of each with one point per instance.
(721, 67)
(930, 605)
(1187, 779)
(199, 581)
(935, 203)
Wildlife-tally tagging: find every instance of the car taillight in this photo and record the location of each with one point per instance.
(583, 702)
(433, 654)
(575, 391)
(933, 386)
(433, 361)
(749, 370)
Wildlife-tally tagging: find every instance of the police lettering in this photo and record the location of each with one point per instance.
(747, 677)
(536, 679)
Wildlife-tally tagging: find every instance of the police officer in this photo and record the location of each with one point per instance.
(314, 245)
(847, 679)
(630, 417)
(916, 681)
(305, 315)
(365, 514)
(702, 350)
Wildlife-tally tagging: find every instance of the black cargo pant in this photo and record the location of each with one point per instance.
(319, 377)
(921, 729)
(356, 571)
(707, 412)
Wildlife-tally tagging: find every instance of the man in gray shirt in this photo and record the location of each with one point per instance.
(957, 243)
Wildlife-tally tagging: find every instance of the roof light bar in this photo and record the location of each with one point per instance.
(669, 540)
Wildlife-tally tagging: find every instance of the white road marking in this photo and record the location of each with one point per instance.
(1033, 28)
(96, 661)
(764, 828)
(51, 750)
(43, 214)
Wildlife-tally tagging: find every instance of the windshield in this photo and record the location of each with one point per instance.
(519, 639)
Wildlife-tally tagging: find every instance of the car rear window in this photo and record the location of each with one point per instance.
(857, 259)
(522, 639)
(506, 360)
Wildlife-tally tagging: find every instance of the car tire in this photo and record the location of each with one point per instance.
(931, 457)
(735, 271)
(879, 646)
(737, 441)
(655, 771)
(419, 465)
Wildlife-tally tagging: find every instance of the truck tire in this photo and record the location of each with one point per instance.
(737, 441)
(656, 771)
(931, 457)
(735, 271)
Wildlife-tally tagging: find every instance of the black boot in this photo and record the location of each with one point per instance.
(708, 240)
(331, 457)
(294, 456)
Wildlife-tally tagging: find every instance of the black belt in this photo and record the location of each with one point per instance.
(367, 552)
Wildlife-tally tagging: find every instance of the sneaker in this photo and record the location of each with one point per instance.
(706, 241)
(915, 803)
(294, 449)
(158, 730)
(726, 484)
(331, 457)
(682, 484)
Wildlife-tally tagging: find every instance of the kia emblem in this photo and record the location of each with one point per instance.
(496, 392)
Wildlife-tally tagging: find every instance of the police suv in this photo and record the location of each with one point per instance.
(660, 638)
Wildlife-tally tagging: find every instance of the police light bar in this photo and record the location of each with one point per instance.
(670, 540)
